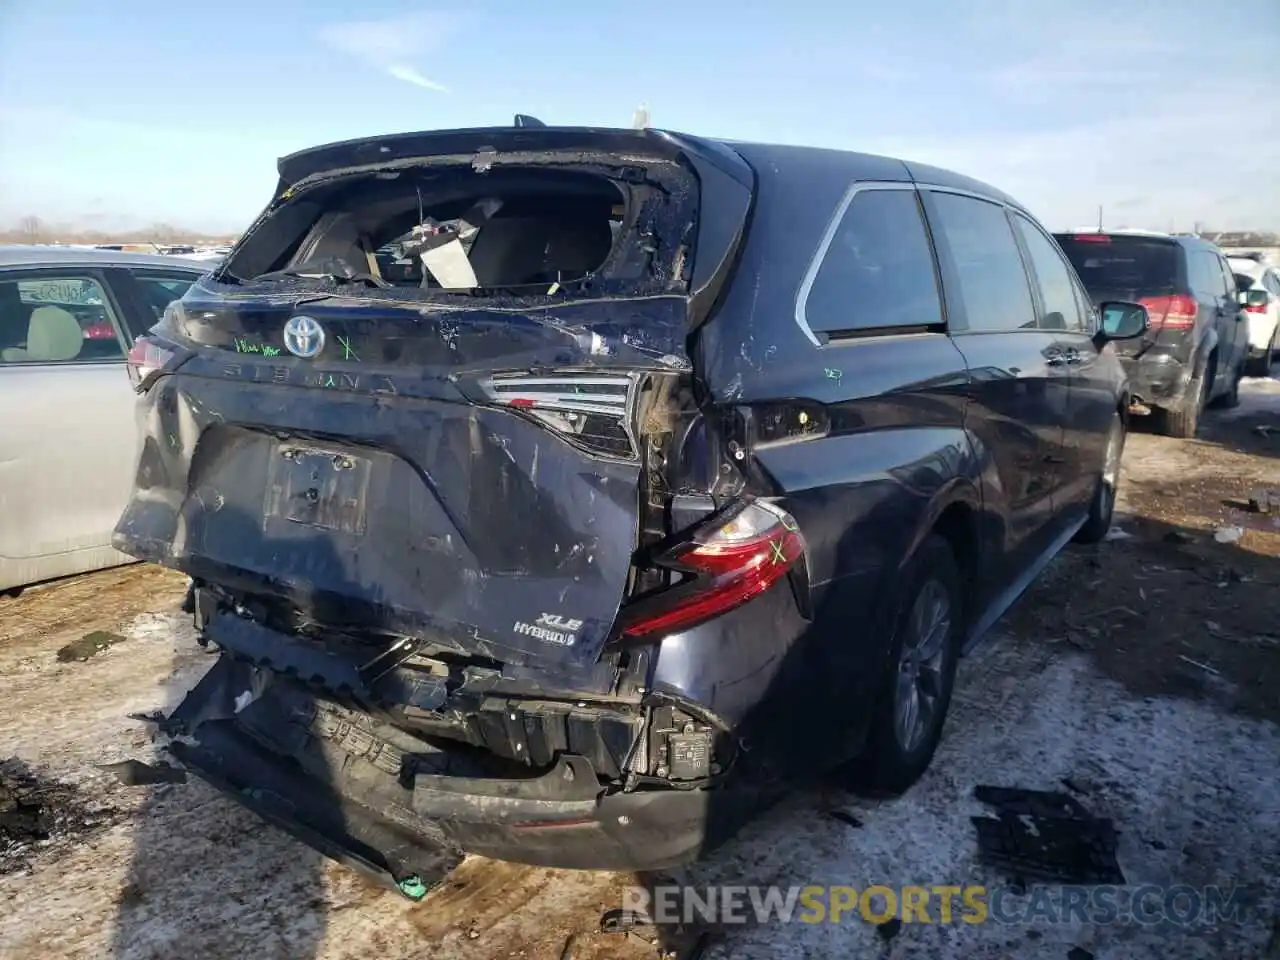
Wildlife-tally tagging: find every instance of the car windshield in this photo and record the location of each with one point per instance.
(1109, 262)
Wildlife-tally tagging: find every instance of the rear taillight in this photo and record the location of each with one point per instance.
(1091, 238)
(148, 358)
(590, 409)
(1177, 312)
(1260, 307)
(728, 564)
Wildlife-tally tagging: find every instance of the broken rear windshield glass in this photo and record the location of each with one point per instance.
(1124, 263)
(524, 231)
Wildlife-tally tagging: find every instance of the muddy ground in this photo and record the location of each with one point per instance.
(1144, 672)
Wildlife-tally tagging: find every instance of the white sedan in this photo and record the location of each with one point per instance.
(68, 441)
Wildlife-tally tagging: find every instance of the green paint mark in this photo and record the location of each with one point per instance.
(778, 555)
(173, 441)
(834, 374)
(347, 352)
(413, 887)
(246, 346)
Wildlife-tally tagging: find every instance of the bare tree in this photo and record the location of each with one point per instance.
(31, 229)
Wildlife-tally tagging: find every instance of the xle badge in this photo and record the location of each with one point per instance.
(550, 628)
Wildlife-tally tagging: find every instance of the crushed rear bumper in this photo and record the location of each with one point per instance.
(396, 807)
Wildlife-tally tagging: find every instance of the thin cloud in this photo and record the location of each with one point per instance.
(392, 45)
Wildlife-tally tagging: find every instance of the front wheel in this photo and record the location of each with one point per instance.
(1103, 505)
(915, 690)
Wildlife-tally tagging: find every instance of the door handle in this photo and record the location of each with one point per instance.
(1056, 361)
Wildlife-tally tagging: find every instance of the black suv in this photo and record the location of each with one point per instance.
(1197, 346)
(672, 472)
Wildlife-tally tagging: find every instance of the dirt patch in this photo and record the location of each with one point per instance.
(36, 812)
(88, 646)
(1164, 607)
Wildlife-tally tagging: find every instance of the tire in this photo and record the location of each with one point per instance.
(1183, 420)
(893, 760)
(1261, 366)
(1231, 398)
(1103, 505)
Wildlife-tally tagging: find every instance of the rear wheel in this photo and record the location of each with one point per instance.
(1104, 495)
(1231, 397)
(1260, 366)
(915, 691)
(1184, 419)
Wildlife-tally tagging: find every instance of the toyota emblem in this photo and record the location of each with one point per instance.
(304, 337)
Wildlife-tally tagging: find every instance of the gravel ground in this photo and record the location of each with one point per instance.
(1142, 672)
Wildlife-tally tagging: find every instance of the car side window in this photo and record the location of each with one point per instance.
(1061, 309)
(1272, 283)
(878, 269)
(158, 290)
(1206, 276)
(1228, 278)
(56, 318)
(994, 289)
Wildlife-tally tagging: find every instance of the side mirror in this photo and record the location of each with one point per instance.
(1122, 320)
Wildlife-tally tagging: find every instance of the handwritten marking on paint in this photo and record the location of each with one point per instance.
(245, 346)
(778, 555)
(833, 374)
(347, 352)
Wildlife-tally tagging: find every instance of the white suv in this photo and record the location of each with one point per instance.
(1262, 307)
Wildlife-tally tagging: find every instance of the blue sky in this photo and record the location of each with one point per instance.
(121, 115)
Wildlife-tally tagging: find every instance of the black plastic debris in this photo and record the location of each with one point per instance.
(846, 818)
(889, 929)
(1079, 953)
(135, 773)
(1046, 836)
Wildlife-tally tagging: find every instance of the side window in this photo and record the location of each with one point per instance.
(1272, 282)
(993, 282)
(878, 270)
(158, 291)
(1206, 276)
(47, 318)
(1228, 278)
(1057, 292)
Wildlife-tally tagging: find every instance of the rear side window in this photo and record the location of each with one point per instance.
(877, 271)
(1123, 267)
(1060, 308)
(53, 318)
(159, 291)
(993, 283)
(1207, 279)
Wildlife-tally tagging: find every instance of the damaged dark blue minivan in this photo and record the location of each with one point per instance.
(561, 494)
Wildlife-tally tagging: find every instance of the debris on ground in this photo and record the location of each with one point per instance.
(1046, 835)
(90, 645)
(35, 811)
(889, 929)
(846, 818)
(135, 773)
(1228, 534)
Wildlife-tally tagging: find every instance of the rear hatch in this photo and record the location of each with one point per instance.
(433, 390)
(1145, 269)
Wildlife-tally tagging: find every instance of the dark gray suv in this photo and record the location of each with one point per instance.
(661, 473)
(1196, 348)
